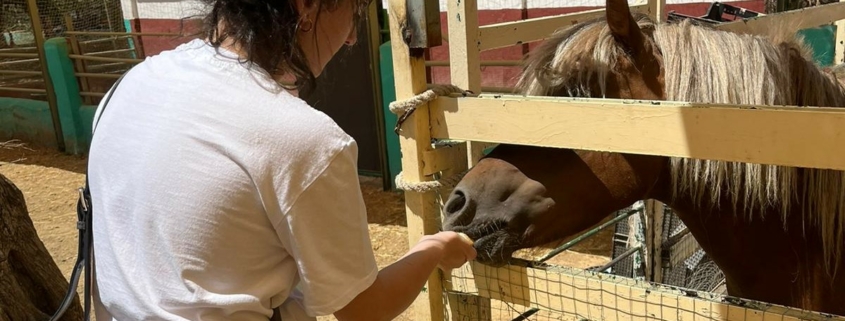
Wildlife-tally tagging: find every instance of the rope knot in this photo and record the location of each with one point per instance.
(404, 108)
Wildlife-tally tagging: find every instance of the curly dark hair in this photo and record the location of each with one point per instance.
(265, 31)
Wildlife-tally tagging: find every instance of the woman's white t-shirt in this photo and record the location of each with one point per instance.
(218, 197)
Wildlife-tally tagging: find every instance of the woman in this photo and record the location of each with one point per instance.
(221, 196)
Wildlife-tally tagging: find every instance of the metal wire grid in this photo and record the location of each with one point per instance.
(526, 291)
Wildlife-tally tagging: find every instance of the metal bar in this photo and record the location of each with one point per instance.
(615, 260)
(524, 316)
(18, 55)
(116, 33)
(48, 83)
(25, 90)
(587, 234)
(109, 59)
(95, 75)
(674, 239)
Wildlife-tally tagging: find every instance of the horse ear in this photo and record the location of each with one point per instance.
(623, 26)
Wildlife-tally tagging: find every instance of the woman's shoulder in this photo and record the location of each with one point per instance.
(289, 126)
(223, 96)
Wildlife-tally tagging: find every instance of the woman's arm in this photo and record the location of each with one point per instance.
(398, 284)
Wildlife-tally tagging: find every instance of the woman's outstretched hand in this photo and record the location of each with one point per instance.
(456, 248)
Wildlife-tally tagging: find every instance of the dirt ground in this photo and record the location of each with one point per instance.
(49, 181)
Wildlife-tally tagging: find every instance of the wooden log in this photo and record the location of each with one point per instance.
(31, 285)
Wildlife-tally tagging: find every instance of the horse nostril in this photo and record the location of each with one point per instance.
(456, 203)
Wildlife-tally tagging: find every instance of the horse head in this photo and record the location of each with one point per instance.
(521, 196)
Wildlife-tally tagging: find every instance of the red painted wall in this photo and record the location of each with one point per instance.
(153, 45)
(491, 76)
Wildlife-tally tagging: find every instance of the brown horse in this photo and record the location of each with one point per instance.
(776, 232)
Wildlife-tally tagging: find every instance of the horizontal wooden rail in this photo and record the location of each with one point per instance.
(20, 72)
(117, 33)
(489, 63)
(107, 66)
(91, 94)
(108, 59)
(791, 136)
(574, 294)
(18, 49)
(108, 52)
(793, 19)
(13, 62)
(490, 89)
(30, 79)
(25, 90)
(18, 55)
(96, 75)
(112, 38)
(512, 33)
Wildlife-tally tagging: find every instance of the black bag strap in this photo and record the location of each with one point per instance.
(86, 237)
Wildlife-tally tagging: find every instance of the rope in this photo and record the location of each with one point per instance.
(426, 186)
(404, 108)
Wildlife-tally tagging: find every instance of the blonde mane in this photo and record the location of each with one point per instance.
(709, 66)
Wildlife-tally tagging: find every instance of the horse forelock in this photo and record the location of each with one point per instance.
(708, 66)
(572, 59)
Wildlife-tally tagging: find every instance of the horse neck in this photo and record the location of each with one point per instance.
(763, 258)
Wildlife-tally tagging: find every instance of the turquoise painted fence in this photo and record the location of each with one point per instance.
(823, 42)
(30, 120)
(388, 93)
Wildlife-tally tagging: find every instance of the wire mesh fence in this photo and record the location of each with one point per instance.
(21, 73)
(530, 291)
